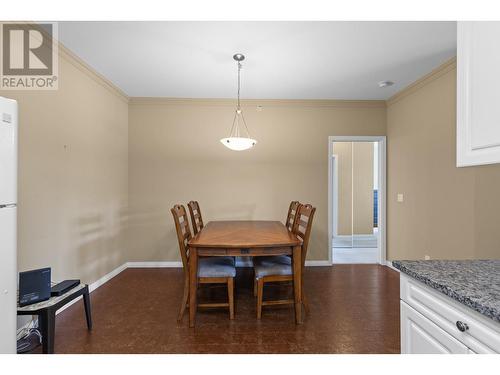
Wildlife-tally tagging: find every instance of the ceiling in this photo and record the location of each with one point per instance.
(284, 60)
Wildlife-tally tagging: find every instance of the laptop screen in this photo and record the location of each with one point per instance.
(34, 286)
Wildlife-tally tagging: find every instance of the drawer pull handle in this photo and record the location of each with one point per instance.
(462, 327)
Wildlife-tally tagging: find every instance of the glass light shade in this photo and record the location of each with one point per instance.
(238, 143)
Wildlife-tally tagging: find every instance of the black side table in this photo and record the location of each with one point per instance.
(46, 312)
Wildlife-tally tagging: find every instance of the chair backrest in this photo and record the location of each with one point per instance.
(302, 226)
(292, 212)
(196, 219)
(183, 232)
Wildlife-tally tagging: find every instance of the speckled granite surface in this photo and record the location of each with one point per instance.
(474, 283)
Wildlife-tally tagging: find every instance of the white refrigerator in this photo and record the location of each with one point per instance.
(8, 224)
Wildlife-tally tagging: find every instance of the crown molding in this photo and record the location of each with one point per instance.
(73, 59)
(77, 62)
(256, 102)
(423, 81)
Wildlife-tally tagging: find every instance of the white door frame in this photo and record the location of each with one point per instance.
(333, 211)
(335, 197)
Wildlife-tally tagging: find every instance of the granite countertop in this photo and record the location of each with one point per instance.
(473, 283)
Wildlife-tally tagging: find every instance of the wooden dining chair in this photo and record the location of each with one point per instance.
(279, 268)
(211, 270)
(196, 219)
(290, 217)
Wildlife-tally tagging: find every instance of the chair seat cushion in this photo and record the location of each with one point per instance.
(216, 267)
(272, 265)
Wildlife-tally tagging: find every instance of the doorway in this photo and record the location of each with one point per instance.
(356, 201)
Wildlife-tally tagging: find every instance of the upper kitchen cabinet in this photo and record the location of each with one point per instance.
(478, 93)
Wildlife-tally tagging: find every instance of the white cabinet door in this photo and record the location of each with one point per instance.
(478, 93)
(421, 336)
(482, 335)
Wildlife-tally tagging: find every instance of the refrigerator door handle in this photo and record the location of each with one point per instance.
(8, 205)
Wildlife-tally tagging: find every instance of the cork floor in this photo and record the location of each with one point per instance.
(354, 309)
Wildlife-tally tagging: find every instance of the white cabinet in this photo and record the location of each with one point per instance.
(478, 93)
(420, 336)
(431, 322)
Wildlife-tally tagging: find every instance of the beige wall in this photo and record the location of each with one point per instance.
(448, 212)
(73, 156)
(362, 189)
(343, 153)
(355, 187)
(175, 156)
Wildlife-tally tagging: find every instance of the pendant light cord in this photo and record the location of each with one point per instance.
(239, 106)
(239, 70)
(235, 129)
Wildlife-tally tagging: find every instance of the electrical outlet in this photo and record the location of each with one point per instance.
(400, 198)
(427, 257)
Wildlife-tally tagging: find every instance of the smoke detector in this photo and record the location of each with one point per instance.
(383, 84)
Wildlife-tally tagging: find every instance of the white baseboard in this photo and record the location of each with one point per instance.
(356, 236)
(175, 264)
(389, 264)
(163, 264)
(309, 263)
(317, 263)
(96, 284)
(240, 262)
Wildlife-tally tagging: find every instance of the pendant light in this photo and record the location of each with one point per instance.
(239, 137)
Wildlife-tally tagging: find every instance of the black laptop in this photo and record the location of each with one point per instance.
(34, 286)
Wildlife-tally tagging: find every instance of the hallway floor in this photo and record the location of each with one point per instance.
(355, 255)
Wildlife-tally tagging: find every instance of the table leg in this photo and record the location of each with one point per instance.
(297, 282)
(193, 283)
(47, 325)
(88, 312)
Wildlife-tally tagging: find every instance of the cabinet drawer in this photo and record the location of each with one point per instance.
(482, 335)
(421, 336)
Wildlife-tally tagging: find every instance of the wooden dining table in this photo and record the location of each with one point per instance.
(245, 238)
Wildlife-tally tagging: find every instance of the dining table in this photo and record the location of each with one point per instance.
(251, 238)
